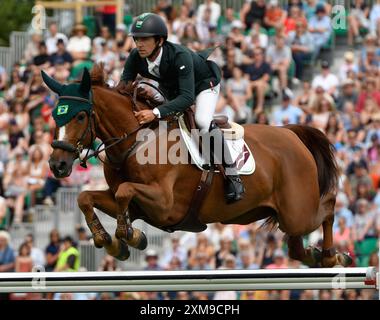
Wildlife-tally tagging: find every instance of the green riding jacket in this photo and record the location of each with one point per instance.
(183, 75)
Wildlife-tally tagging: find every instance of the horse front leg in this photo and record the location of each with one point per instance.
(148, 196)
(103, 200)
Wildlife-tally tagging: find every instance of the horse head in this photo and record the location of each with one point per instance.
(74, 126)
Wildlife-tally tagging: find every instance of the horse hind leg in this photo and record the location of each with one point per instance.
(310, 257)
(330, 257)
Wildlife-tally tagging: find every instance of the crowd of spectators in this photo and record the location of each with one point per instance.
(264, 51)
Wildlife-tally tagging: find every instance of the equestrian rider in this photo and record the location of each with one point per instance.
(185, 77)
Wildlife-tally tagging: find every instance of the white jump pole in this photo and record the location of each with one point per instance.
(216, 280)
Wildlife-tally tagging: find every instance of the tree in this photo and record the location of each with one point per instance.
(14, 16)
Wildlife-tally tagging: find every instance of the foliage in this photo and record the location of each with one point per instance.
(15, 15)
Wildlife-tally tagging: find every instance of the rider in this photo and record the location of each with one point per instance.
(184, 76)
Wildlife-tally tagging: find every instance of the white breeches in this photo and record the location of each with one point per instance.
(205, 105)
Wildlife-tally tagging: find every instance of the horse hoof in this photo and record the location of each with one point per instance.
(138, 240)
(143, 243)
(123, 253)
(313, 257)
(344, 259)
(102, 240)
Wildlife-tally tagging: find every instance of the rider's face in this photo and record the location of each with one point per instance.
(145, 46)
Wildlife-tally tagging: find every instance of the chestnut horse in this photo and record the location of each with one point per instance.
(294, 184)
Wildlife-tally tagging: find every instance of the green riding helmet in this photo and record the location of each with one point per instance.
(149, 25)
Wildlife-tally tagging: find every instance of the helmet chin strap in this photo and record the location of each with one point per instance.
(155, 50)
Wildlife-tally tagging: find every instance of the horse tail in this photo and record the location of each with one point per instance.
(323, 153)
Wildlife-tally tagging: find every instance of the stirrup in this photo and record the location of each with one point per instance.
(234, 189)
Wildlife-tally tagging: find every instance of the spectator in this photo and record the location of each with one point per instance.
(36, 253)
(256, 38)
(301, 45)
(104, 39)
(279, 261)
(225, 250)
(7, 257)
(348, 65)
(287, 113)
(279, 56)
(368, 90)
(374, 17)
(42, 58)
(238, 93)
(61, 56)
(69, 258)
(348, 94)
(151, 259)
(274, 15)
(226, 21)
(32, 46)
(175, 251)
(358, 18)
(215, 11)
(37, 170)
(253, 11)
(327, 80)
(24, 262)
(79, 44)
(15, 185)
(179, 24)
(109, 263)
(295, 17)
(202, 246)
(321, 114)
(53, 38)
(320, 29)
(237, 36)
(52, 251)
(105, 56)
(259, 74)
(164, 7)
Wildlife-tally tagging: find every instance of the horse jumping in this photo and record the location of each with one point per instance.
(294, 184)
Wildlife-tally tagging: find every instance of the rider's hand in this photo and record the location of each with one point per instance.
(145, 116)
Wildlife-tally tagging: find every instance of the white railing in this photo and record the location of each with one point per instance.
(215, 280)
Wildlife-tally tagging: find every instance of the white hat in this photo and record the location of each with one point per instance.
(151, 253)
(237, 24)
(273, 2)
(121, 27)
(5, 235)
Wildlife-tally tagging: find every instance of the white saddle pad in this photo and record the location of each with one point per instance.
(239, 150)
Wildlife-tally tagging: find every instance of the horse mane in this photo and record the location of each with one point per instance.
(98, 75)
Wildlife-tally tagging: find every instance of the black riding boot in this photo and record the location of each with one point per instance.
(233, 185)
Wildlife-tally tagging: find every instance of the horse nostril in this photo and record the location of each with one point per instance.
(61, 166)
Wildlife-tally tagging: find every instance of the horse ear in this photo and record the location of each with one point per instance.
(85, 84)
(51, 83)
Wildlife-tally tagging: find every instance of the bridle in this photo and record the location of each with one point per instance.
(91, 124)
(90, 129)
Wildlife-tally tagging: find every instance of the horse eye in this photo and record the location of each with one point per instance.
(80, 117)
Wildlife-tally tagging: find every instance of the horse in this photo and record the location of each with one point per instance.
(293, 187)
